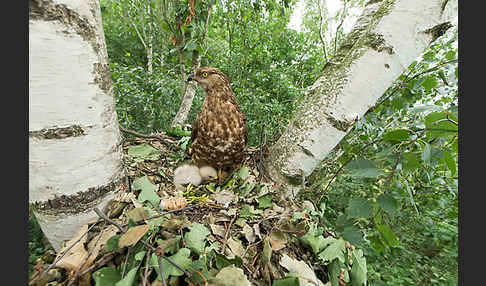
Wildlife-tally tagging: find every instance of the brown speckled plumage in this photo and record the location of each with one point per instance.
(220, 133)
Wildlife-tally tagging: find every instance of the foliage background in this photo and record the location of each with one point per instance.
(390, 187)
(408, 178)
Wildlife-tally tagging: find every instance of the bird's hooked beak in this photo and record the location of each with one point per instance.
(189, 78)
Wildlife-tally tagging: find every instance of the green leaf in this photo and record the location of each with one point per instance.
(112, 243)
(129, 278)
(396, 136)
(317, 243)
(388, 203)
(426, 153)
(377, 244)
(140, 255)
(265, 201)
(106, 276)
(195, 239)
(387, 234)
(249, 211)
(334, 250)
(181, 258)
(429, 83)
(222, 261)
(410, 161)
(243, 172)
(425, 108)
(359, 208)
(143, 152)
(352, 234)
(450, 55)
(335, 271)
(438, 125)
(363, 169)
(450, 162)
(148, 191)
(358, 270)
(287, 281)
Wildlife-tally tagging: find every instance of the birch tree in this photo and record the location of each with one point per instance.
(74, 140)
(386, 38)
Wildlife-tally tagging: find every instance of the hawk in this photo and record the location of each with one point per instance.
(220, 132)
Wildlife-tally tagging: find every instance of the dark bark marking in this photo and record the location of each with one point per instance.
(58, 133)
(79, 202)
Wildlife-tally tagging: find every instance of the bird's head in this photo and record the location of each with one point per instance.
(209, 78)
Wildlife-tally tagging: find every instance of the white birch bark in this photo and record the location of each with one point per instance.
(386, 39)
(74, 140)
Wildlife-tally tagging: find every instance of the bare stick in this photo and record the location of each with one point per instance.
(125, 264)
(162, 275)
(103, 216)
(144, 283)
(161, 139)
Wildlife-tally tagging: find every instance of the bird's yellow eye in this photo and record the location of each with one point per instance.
(204, 74)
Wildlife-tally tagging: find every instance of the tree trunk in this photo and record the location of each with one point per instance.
(190, 88)
(386, 39)
(188, 96)
(74, 139)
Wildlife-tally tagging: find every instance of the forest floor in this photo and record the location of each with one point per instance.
(240, 232)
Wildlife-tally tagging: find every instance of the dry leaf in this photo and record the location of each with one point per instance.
(249, 234)
(98, 242)
(133, 235)
(278, 240)
(76, 255)
(217, 229)
(137, 214)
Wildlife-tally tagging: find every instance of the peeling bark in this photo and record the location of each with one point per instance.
(387, 37)
(74, 140)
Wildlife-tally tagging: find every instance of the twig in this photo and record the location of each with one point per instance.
(125, 264)
(87, 257)
(226, 235)
(402, 84)
(162, 275)
(165, 141)
(62, 255)
(100, 262)
(163, 214)
(144, 283)
(167, 258)
(339, 26)
(103, 216)
(344, 164)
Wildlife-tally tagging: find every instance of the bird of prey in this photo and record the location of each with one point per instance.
(220, 133)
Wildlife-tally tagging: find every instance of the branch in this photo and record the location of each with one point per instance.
(402, 84)
(320, 30)
(166, 141)
(339, 26)
(103, 216)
